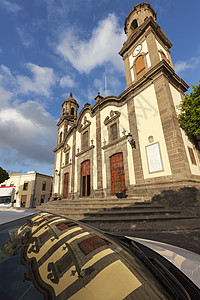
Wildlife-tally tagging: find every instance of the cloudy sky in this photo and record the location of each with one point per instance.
(49, 48)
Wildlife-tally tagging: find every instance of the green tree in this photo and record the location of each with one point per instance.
(3, 175)
(189, 116)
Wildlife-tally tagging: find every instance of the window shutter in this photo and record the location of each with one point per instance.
(85, 140)
(164, 56)
(140, 66)
(114, 134)
(192, 157)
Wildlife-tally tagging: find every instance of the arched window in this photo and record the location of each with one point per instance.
(139, 66)
(164, 56)
(72, 111)
(60, 137)
(134, 24)
(44, 186)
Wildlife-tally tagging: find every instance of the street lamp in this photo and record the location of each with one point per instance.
(131, 140)
(57, 172)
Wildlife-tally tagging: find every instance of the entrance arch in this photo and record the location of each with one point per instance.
(117, 171)
(85, 178)
(66, 186)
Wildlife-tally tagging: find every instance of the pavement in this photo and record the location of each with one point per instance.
(184, 233)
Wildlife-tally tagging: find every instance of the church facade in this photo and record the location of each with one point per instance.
(95, 154)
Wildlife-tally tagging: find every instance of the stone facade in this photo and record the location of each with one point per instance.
(164, 158)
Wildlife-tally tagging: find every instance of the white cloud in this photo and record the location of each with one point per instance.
(5, 96)
(10, 6)
(101, 48)
(181, 66)
(40, 83)
(67, 81)
(42, 80)
(24, 36)
(28, 130)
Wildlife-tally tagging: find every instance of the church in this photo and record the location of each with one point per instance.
(131, 141)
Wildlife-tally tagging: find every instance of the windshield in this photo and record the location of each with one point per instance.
(51, 257)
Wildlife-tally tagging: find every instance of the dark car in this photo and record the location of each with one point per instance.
(46, 256)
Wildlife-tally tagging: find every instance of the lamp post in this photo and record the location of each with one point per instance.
(131, 140)
(57, 172)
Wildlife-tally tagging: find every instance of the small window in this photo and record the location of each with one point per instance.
(164, 56)
(85, 140)
(12, 183)
(72, 111)
(192, 157)
(67, 158)
(25, 187)
(134, 24)
(60, 137)
(139, 66)
(44, 186)
(113, 132)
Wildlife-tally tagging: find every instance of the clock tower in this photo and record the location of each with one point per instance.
(163, 152)
(146, 44)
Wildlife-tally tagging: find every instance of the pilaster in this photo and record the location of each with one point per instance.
(171, 129)
(139, 177)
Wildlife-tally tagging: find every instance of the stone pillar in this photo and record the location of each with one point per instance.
(171, 129)
(152, 48)
(99, 191)
(73, 165)
(139, 177)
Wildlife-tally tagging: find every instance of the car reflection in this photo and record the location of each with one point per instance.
(67, 260)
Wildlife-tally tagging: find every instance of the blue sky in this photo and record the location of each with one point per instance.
(49, 48)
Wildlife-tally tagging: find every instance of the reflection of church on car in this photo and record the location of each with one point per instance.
(92, 155)
(69, 261)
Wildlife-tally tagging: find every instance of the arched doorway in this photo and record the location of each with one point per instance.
(66, 185)
(85, 178)
(117, 171)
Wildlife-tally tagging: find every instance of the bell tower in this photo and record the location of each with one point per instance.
(146, 44)
(69, 115)
(154, 90)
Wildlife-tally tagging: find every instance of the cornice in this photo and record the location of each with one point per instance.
(67, 118)
(85, 150)
(114, 142)
(162, 67)
(58, 147)
(141, 30)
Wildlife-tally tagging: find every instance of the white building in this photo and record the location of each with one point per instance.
(31, 189)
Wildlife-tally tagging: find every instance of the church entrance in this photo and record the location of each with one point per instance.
(85, 178)
(66, 185)
(117, 171)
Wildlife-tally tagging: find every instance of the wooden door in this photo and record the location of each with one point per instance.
(117, 171)
(66, 185)
(85, 178)
(23, 200)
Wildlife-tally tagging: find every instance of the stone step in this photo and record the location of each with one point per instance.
(75, 207)
(101, 215)
(93, 202)
(93, 221)
(130, 212)
(102, 221)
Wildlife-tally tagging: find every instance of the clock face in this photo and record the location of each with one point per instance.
(137, 50)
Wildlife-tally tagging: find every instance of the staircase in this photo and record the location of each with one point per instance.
(108, 213)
